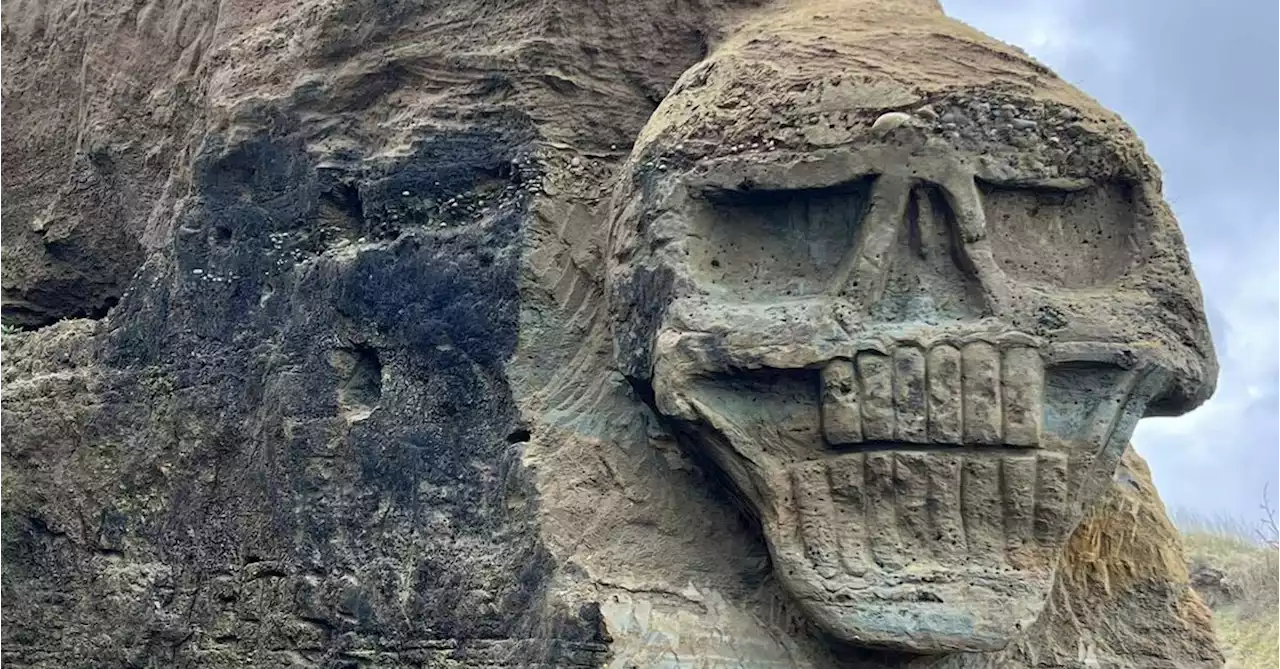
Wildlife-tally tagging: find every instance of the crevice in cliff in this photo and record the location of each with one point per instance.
(36, 309)
(342, 208)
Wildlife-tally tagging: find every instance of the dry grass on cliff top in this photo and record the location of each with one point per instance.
(1245, 609)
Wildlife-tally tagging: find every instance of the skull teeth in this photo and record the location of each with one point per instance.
(883, 509)
(974, 394)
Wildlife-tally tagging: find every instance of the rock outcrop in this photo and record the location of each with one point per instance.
(542, 334)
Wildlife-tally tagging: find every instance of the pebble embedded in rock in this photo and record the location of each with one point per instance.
(889, 121)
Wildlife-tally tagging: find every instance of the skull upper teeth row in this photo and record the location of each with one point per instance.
(974, 394)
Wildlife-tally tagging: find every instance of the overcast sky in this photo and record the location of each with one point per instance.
(1197, 80)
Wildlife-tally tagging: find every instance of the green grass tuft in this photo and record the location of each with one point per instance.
(1244, 601)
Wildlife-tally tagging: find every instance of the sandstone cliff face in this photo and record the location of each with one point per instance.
(323, 374)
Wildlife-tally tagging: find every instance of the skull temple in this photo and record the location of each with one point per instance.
(911, 310)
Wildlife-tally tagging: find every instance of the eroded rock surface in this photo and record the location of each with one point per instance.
(580, 334)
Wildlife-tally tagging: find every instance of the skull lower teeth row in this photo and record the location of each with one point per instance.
(975, 394)
(887, 508)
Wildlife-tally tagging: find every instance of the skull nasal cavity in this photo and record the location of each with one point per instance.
(929, 278)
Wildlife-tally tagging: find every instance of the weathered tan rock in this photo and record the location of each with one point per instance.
(581, 334)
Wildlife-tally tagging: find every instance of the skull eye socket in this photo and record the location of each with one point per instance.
(777, 243)
(1069, 239)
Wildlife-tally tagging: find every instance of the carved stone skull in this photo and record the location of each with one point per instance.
(911, 307)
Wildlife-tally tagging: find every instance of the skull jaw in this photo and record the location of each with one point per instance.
(921, 549)
(920, 545)
(896, 578)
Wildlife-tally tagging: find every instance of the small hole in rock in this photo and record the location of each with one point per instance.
(519, 436)
(359, 380)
